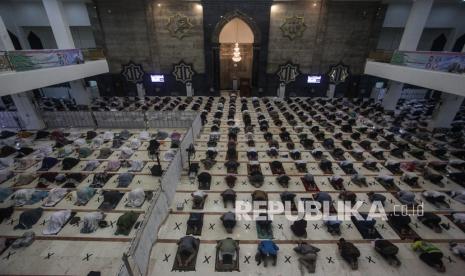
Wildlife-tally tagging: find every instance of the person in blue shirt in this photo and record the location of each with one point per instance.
(333, 225)
(267, 248)
(321, 197)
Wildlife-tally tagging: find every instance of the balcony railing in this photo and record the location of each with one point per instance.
(380, 56)
(26, 60)
(449, 62)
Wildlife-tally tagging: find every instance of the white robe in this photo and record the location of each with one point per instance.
(56, 222)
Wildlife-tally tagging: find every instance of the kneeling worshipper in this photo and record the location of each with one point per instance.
(186, 254)
(136, 198)
(349, 252)
(429, 254)
(227, 255)
(307, 256)
(28, 218)
(91, 222)
(267, 249)
(56, 221)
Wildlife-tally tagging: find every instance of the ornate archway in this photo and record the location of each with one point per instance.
(236, 36)
(215, 43)
(230, 16)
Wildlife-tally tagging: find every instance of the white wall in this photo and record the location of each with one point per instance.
(447, 18)
(389, 38)
(45, 34)
(396, 15)
(32, 13)
(21, 17)
(441, 16)
(83, 37)
(56, 92)
(76, 12)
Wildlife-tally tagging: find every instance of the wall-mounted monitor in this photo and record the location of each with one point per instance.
(157, 78)
(379, 84)
(314, 79)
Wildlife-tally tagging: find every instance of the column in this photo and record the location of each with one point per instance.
(59, 23)
(140, 90)
(189, 92)
(447, 108)
(416, 21)
(392, 95)
(80, 93)
(5, 41)
(282, 90)
(64, 39)
(27, 111)
(445, 111)
(331, 90)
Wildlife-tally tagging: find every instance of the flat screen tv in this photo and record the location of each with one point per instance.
(157, 78)
(314, 79)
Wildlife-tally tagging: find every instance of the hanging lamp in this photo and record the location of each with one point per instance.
(236, 50)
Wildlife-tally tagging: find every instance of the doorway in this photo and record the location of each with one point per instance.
(459, 44)
(236, 54)
(439, 43)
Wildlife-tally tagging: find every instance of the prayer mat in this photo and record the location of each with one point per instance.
(190, 229)
(190, 266)
(228, 265)
(308, 186)
(263, 233)
(364, 232)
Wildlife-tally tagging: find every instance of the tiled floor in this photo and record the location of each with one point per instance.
(70, 251)
(329, 261)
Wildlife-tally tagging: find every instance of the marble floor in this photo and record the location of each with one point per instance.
(329, 260)
(70, 252)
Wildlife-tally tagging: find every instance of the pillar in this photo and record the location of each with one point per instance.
(64, 39)
(58, 22)
(392, 95)
(282, 90)
(445, 111)
(416, 21)
(448, 106)
(189, 92)
(5, 41)
(80, 93)
(331, 90)
(140, 90)
(27, 111)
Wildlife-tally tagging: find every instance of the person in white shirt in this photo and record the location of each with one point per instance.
(458, 249)
(459, 217)
(459, 196)
(436, 198)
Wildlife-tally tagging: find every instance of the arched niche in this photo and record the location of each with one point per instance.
(227, 24)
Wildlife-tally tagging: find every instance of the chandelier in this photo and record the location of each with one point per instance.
(236, 53)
